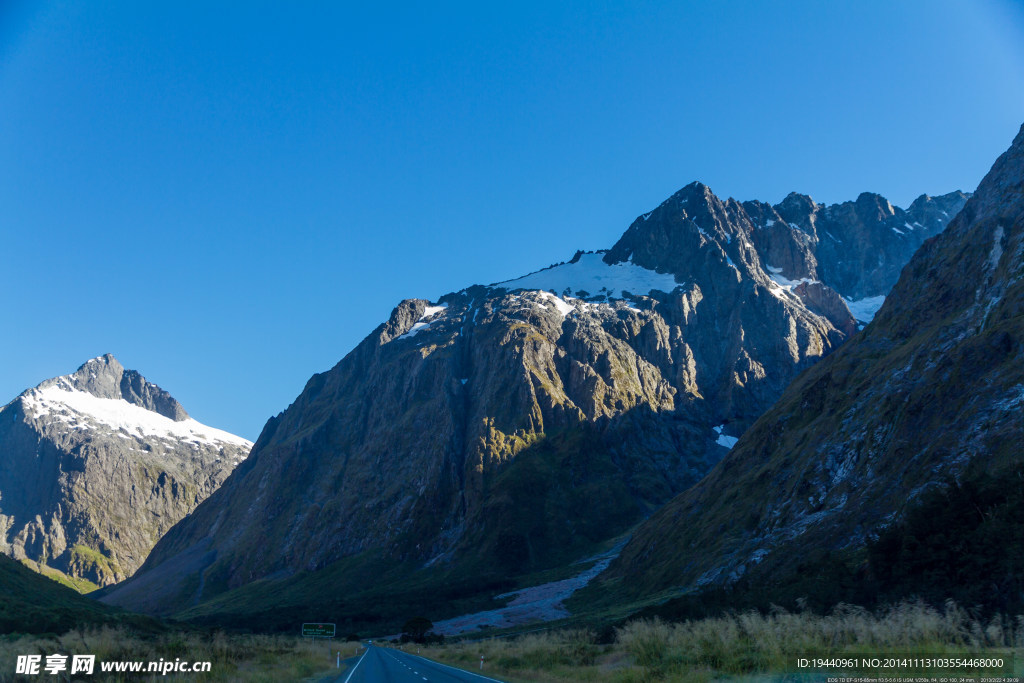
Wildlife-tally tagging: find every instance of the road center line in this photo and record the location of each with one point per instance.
(453, 668)
(357, 665)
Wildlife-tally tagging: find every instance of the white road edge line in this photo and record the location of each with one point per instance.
(454, 668)
(357, 665)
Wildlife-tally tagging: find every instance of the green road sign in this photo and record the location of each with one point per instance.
(318, 630)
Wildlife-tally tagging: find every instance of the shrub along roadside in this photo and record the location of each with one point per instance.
(733, 644)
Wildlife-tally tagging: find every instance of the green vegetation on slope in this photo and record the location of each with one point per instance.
(779, 463)
(76, 584)
(40, 616)
(86, 561)
(577, 499)
(35, 604)
(963, 541)
(366, 593)
(514, 546)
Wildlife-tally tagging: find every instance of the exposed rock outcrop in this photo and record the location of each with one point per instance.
(97, 465)
(509, 428)
(933, 386)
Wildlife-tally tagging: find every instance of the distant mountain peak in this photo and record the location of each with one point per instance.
(925, 199)
(104, 377)
(114, 461)
(696, 189)
(872, 206)
(100, 376)
(693, 189)
(797, 201)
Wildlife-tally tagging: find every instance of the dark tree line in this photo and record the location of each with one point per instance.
(963, 541)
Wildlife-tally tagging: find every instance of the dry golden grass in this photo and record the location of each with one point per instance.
(735, 645)
(255, 658)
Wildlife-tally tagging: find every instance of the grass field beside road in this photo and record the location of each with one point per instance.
(733, 646)
(249, 658)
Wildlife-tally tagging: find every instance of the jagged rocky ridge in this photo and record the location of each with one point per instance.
(934, 386)
(97, 465)
(512, 427)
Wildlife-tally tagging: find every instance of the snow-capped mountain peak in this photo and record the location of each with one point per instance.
(113, 460)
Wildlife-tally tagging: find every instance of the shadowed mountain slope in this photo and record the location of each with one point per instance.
(932, 388)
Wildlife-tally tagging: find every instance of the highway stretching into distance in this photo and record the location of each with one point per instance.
(387, 665)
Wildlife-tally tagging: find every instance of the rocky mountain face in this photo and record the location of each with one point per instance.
(97, 465)
(857, 248)
(512, 427)
(931, 391)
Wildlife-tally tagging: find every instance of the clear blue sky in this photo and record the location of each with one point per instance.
(230, 199)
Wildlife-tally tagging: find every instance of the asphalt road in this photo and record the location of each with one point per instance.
(385, 665)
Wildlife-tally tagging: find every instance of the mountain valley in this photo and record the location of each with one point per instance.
(459, 450)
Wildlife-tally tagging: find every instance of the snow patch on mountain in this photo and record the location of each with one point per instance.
(724, 439)
(564, 308)
(591, 276)
(783, 285)
(75, 408)
(776, 275)
(864, 310)
(429, 316)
